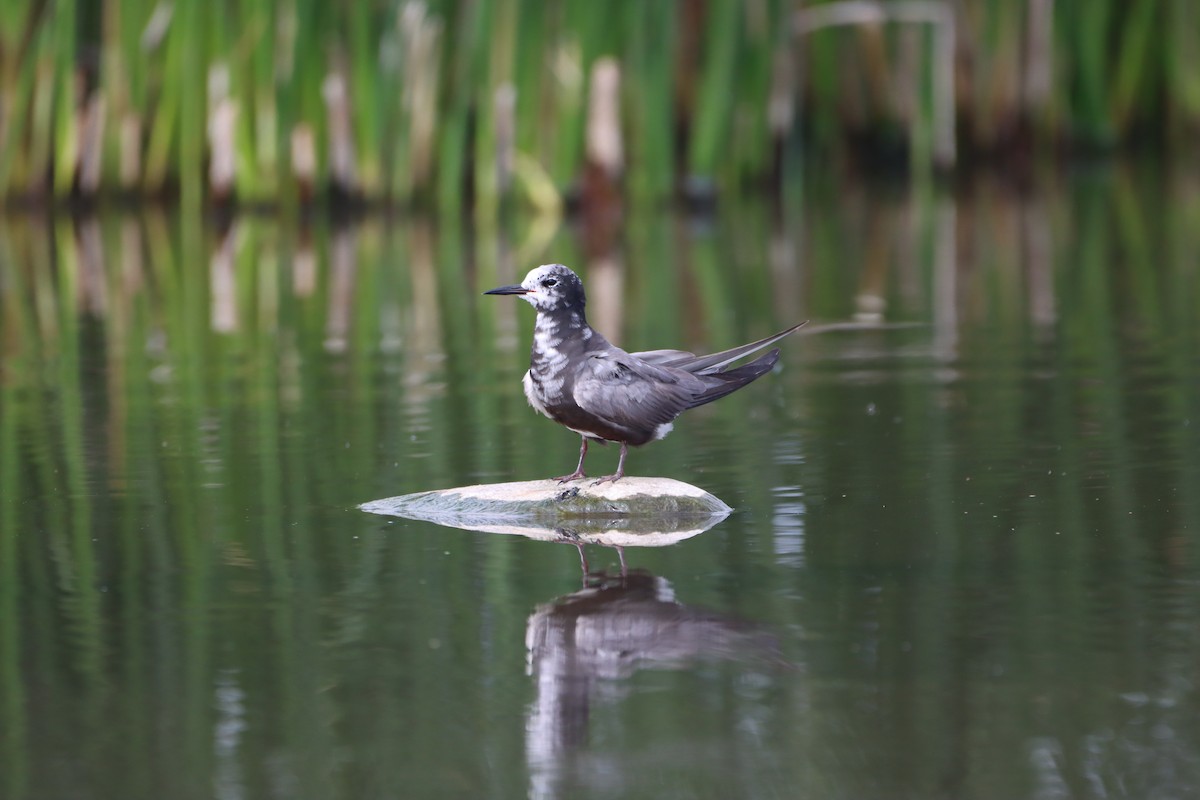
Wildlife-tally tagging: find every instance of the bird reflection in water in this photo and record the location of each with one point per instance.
(581, 647)
(579, 539)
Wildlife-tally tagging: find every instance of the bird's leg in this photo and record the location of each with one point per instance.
(583, 562)
(578, 473)
(620, 473)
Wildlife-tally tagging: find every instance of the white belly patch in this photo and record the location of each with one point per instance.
(531, 395)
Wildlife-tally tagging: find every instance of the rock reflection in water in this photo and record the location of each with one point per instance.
(610, 530)
(583, 645)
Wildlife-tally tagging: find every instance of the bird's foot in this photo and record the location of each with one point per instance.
(616, 476)
(574, 476)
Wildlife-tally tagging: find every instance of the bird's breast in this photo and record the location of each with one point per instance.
(550, 366)
(543, 392)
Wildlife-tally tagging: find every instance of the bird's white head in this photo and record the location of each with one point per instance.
(549, 288)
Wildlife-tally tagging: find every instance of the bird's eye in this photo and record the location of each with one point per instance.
(548, 282)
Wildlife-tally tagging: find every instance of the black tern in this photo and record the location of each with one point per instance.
(580, 380)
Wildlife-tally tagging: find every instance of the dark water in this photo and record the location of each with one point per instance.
(963, 562)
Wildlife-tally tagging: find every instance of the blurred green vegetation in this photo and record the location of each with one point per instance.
(449, 103)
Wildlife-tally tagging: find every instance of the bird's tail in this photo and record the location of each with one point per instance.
(723, 383)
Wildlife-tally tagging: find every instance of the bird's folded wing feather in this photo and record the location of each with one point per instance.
(698, 365)
(631, 393)
(663, 356)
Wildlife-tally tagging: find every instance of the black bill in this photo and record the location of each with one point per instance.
(516, 289)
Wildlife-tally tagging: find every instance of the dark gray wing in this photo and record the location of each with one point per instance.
(705, 365)
(630, 393)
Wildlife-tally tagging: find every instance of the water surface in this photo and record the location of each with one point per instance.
(962, 562)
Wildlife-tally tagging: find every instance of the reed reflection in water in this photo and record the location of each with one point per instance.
(974, 538)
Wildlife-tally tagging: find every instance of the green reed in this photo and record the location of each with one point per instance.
(437, 101)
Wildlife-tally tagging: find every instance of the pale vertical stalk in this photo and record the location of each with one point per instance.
(222, 124)
(423, 107)
(604, 146)
(223, 294)
(504, 107)
(945, 281)
(304, 160)
(1038, 240)
(343, 169)
(304, 267)
(870, 301)
(605, 159)
(66, 112)
(91, 144)
(130, 152)
(945, 148)
(93, 277)
(1039, 62)
(343, 268)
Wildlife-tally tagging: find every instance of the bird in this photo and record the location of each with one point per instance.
(580, 380)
